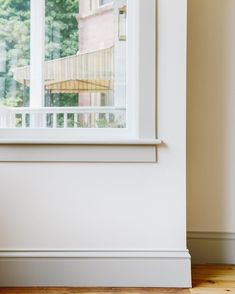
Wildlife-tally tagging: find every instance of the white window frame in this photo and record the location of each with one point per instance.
(141, 88)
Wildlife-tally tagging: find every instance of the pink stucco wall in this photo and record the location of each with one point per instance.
(96, 31)
(96, 27)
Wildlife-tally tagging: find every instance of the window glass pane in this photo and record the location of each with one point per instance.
(14, 53)
(103, 2)
(85, 69)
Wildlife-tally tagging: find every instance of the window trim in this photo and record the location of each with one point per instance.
(141, 111)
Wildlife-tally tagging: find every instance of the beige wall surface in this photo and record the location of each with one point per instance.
(211, 115)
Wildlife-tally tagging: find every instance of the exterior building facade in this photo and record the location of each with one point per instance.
(99, 28)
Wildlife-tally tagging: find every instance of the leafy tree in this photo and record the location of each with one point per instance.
(61, 28)
(61, 40)
(14, 48)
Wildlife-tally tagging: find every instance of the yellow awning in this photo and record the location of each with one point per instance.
(89, 72)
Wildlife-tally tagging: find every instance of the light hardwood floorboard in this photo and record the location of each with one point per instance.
(207, 279)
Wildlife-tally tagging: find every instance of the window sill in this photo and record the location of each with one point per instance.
(121, 142)
(18, 150)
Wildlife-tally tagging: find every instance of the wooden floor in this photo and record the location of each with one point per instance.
(206, 280)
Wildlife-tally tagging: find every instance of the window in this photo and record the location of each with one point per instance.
(69, 73)
(77, 68)
(104, 2)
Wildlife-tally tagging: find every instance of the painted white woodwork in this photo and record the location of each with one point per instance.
(108, 206)
(37, 55)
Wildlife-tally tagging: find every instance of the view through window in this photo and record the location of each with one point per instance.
(84, 69)
(103, 2)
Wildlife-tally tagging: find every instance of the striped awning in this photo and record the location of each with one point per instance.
(89, 72)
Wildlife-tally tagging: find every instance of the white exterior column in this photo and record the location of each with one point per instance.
(37, 56)
(120, 52)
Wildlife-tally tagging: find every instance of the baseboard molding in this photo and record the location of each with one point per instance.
(212, 247)
(95, 268)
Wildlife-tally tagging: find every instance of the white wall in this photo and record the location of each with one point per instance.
(110, 206)
(92, 206)
(211, 115)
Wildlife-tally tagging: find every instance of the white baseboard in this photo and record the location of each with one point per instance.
(212, 247)
(95, 268)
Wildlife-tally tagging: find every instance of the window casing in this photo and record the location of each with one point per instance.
(140, 90)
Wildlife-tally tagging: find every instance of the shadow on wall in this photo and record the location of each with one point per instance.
(211, 123)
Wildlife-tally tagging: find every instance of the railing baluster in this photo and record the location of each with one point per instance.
(85, 119)
(14, 120)
(107, 117)
(1, 121)
(65, 120)
(2, 118)
(54, 120)
(37, 118)
(23, 120)
(97, 117)
(44, 120)
(32, 120)
(75, 124)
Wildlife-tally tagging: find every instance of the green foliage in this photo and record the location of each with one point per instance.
(14, 48)
(61, 41)
(11, 102)
(104, 123)
(61, 28)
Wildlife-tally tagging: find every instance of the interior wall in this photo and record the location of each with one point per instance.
(211, 116)
(109, 206)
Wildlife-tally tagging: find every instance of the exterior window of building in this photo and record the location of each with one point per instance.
(104, 2)
(82, 58)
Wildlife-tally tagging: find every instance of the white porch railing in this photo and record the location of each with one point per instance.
(62, 117)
